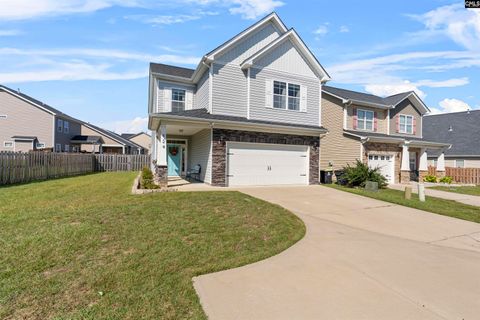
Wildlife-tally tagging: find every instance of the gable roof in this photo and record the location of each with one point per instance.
(367, 99)
(112, 135)
(293, 36)
(132, 135)
(171, 70)
(463, 135)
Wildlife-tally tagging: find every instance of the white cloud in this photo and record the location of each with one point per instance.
(384, 90)
(453, 105)
(450, 83)
(10, 32)
(344, 29)
(252, 9)
(135, 125)
(454, 21)
(170, 19)
(321, 30)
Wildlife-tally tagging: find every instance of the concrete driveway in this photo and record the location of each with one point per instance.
(360, 259)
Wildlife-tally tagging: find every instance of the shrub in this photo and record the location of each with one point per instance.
(446, 179)
(430, 178)
(358, 175)
(146, 179)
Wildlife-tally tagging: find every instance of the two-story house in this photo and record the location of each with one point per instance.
(249, 114)
(27, 124)
(383, 132)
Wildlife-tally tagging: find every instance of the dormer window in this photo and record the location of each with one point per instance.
(178, 100)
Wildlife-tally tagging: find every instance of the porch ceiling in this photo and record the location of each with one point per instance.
(185, 129)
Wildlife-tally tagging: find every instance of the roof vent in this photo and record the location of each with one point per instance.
(450, 129)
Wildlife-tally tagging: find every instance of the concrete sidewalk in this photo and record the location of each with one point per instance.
(360, 259)
(463, 198)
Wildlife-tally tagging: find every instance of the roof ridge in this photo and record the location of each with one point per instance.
(455, 112)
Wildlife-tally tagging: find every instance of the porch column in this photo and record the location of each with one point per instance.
(160, 158)
(423, 165)
(405, 166)
(441, 165)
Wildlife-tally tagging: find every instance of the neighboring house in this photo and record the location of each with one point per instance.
(461, 130)
(142, 139)
(249, 114)
(383, 132)
(27, 124)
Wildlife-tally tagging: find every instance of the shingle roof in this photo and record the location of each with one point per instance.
(128, 135)
(86, 139)
(366, 97)
(432, 143)
(204, 115)
(24, 138)
(113, 135)
(171, 70)
(463, 136)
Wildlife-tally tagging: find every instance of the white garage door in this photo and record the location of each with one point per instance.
(253, 164)
(385, 163)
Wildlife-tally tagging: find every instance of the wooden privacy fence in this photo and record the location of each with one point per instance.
(459, 175)
(18, 167)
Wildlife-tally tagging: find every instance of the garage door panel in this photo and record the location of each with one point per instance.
(264, 164)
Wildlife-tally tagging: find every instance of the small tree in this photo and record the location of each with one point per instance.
(358, 175)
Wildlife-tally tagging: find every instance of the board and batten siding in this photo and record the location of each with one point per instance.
(229, 90)
(258, 98)
(201, 96)
(335, 146)
(250, 45)
(200, 152)
(23, 119)
(164, 95)
(382, 125)
(405, 107)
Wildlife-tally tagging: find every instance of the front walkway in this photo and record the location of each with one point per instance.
(360, 259)
(463, 198)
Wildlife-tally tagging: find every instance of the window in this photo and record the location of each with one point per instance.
(365, 119)
(459, 163)
(74, 149)
(66, 127)
(178, 100)
(40, 145)
(406, 124)
(60, 125)
(286, 99)
(67, 148)
(3, 116)
(58, 147)
(8, 144)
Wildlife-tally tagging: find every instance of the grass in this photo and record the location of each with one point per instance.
(436, 205)
(470, 190)
(84, 248)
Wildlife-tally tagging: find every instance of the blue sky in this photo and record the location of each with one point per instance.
(89, 58)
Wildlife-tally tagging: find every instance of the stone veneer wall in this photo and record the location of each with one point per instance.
(385, 149)
(219, 150)
(160, 176)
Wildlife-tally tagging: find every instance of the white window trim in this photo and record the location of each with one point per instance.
(58, 147)
(184, 100)
(365, 120)
(3, 116)
(66, 127)
(400, 123)
(67, 148)
(40, 145)
(5, 144)
(59, 125)
(286, 101)
(456, 165)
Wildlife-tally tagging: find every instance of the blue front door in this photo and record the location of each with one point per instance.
(174, 152)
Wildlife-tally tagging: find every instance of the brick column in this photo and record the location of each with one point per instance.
(404, 176)
(422, 174)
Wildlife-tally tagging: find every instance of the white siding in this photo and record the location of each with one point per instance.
(285, 57)
(200, 153)
(259, 110)
(229, 90)
(163, 86)
(250, 45)
(201, 96)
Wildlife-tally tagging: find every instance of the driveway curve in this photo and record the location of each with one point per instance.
(360, 259)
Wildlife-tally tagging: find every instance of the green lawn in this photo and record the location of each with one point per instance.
(84, 248)
(436, 205)
(474, 191)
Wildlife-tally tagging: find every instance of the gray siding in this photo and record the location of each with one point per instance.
(64, 138)
(23, 119)
(229, 90)
(285, 57)
(258, 109)
(201, 96)
(250, 45)
(162, 85)
(200, 153)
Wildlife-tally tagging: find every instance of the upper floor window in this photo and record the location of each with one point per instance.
(178, 100)
(60, 125)
(365, 119)
(405, 124)
(286, 95)
(66, 127)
